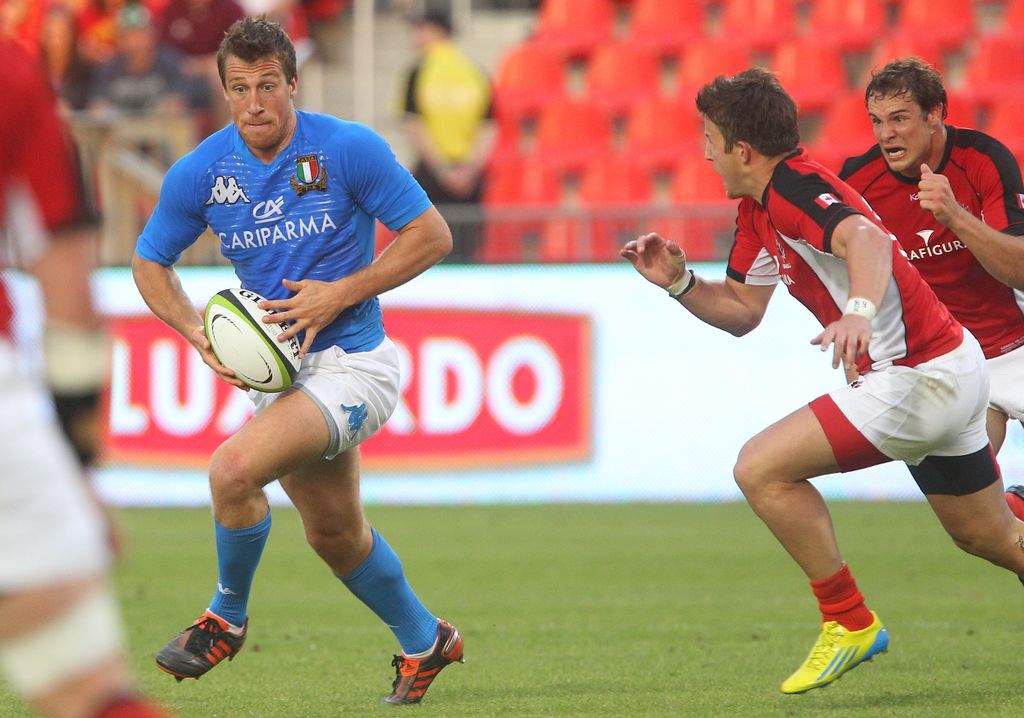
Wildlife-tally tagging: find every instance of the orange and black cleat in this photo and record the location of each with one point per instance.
(200, 647)
(413, 676)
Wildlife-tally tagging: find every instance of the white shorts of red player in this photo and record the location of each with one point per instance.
(356, 392)
(51, 530)
(906, 413)
(1006, 374)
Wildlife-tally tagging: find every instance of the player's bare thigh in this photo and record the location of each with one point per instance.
(792, 449)
(995, 427)
(288, 434)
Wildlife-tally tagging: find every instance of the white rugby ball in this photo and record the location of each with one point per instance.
(244, 343)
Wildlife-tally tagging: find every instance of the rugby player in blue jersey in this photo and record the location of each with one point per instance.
(293, 198)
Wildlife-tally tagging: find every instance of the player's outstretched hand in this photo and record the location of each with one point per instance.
(936, 196)
(659, 261)
(313, 305)
(849, 337)
(202, 344)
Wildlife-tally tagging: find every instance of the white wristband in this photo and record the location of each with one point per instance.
(682, 284)
(861, 307)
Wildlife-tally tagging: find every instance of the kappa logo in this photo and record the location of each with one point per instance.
(357, 416)
(269, 211)
(226, 190)
(309, 175)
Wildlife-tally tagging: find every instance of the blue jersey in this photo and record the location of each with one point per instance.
(309, 214)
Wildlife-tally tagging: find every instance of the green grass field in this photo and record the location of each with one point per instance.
(624, 610)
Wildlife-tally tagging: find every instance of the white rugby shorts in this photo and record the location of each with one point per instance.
(906, 413)
(51, 531)
(356, 392)
(1006, 375)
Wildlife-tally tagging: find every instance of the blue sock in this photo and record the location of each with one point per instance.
(380, 583)
(238, 555)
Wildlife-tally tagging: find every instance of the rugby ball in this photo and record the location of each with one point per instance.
(243, 342)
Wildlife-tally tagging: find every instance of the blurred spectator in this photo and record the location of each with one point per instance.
(70, 73)
(20, 21)
(324, 10)
(195, 28)
(97, 28)
(448, 117)
(291, 15)
(143, 76)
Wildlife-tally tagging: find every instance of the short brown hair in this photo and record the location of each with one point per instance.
(753, 107)
(913, 77)
(253, 38)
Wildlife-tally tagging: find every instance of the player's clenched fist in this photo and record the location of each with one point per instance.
(936, 195)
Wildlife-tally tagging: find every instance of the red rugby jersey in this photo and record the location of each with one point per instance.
(789, 235)
(36, 153)
(986, 180)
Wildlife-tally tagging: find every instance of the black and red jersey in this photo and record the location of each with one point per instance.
(788, 236)
(986, 181)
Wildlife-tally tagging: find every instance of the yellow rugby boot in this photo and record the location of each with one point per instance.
(837, 651)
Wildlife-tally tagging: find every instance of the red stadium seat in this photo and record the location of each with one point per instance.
(1005, 125)
(617, 192)
(575, 27)
(700, 212)
(705, 60)
(1013, 17)
(528, 77)
(661, 130)
(995, 68)
(666, 27)
(845, 132)
(508, 146)
(947, 22)
(892, 47)
(757, 24)
(571, 133)
(519, 201)
(847, 24)
(962, 109)
(620, 74)
(812, 73)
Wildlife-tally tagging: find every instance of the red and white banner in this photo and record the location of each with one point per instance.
(479, 389)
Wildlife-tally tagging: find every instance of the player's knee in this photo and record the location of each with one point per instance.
(976, 539)
(749, 472)
(233, 473)
(335, 542)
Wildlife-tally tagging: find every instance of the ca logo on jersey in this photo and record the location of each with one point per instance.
(309, 175)
(225, 190)
(271, 210)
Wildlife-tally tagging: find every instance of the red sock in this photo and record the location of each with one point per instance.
(131, 707)
(840, 601)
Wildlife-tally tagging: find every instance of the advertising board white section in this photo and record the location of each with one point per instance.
(672, 399)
